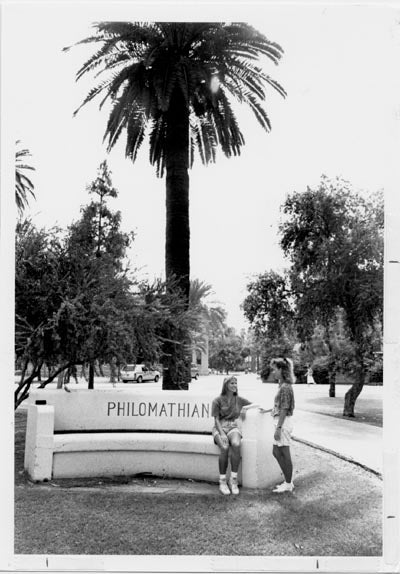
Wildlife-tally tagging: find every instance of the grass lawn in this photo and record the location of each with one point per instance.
(368, 408)
(335, 510)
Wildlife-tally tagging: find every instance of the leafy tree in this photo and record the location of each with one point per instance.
(176, 81)
(269, 309)
(329, 351)
(23, 185)
(228, 352)
(73, 299)
(267, 306)
(96, 249)
(37, 297)
(334, 240)
(77, 304)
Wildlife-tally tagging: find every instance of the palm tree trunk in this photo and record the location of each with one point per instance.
(176, 350)
(177, 244)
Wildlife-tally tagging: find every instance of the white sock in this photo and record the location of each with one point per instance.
(233, 474)
(222, 477)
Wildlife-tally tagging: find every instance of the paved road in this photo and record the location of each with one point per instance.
(352, 440)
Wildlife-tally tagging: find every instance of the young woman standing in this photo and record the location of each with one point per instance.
(282, 412)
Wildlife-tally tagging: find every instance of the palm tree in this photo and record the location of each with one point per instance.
(23, 184)
(175, 82)
(210, 317)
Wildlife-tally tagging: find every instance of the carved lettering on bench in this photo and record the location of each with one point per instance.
(149, 409)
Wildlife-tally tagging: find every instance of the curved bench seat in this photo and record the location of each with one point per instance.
(105, 454)
(201, 444)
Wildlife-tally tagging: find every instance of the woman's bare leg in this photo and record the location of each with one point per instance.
(235, 441)
(224, 455)
(286, 465)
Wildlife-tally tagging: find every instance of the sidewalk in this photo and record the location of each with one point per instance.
(354, 441)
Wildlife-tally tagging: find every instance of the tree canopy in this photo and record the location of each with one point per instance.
(76, 300)
(333, 239)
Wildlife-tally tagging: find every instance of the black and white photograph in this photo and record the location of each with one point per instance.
(200, 252)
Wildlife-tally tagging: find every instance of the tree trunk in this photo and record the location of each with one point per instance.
(113, 371)
(176, 361)
(176, 350)
(332, 366)
(332, 383)
(91, 375)
(22, 391)
(73, 372)
(352, 394)
(23, 370)
(83, 374)
(60, 380)
(56, 372)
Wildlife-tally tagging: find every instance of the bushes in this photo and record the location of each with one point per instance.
(376, 372)
(320, 368)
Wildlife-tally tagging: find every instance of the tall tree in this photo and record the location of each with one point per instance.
(23, 185)
(175, 81)
(334, 239)
(269, 309)
(227, 353)
(96, 251)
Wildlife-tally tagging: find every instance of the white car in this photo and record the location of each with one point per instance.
(139, 374)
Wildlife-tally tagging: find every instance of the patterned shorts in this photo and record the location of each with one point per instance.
(228, 427)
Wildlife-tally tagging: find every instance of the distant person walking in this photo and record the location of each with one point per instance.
(282, 412)
(227, 409)
(310, 378)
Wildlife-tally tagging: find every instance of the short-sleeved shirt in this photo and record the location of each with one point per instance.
(284, 399)
(228, 409)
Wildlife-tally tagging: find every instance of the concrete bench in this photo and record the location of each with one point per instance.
(109, 432)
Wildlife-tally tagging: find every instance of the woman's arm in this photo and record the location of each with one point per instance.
(282, 416)
(218, 425)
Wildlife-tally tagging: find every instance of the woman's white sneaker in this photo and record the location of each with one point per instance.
(285, 487)
(234, 485)
(223, 487)
(280, 484)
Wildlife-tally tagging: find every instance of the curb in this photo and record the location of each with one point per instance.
(338, 455)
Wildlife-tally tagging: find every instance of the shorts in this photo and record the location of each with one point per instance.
(228, 427)
(286, 432)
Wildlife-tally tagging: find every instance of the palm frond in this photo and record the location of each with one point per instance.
(135, 134)
(23, 185)
(148, 64)
(158, 135)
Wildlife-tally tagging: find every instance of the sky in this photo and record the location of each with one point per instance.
(340, 118)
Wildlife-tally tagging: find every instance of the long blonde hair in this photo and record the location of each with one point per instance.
(286, 367)
(225, 384)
